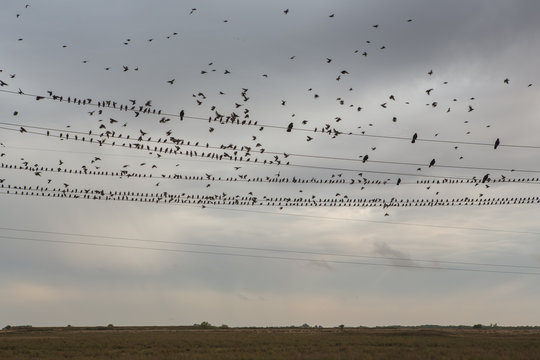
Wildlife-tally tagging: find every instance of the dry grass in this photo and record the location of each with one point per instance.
(191, 343)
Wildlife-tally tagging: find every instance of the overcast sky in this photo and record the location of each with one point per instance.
(461, 75)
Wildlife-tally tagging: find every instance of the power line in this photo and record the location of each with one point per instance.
(307, 252)
(428, 267)
(467, 228)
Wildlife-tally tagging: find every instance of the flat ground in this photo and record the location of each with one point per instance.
(277, 343)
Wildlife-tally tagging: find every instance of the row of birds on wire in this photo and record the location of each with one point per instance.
(220, 118)
(198, 199)
(277, 178)
(108, 137)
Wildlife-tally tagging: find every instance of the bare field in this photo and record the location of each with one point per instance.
(137, 343)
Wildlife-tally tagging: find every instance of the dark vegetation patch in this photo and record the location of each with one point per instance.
(267, 343)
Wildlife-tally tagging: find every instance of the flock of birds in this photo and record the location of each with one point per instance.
(135, 127)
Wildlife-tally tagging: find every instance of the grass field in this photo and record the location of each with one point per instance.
(137, 343)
